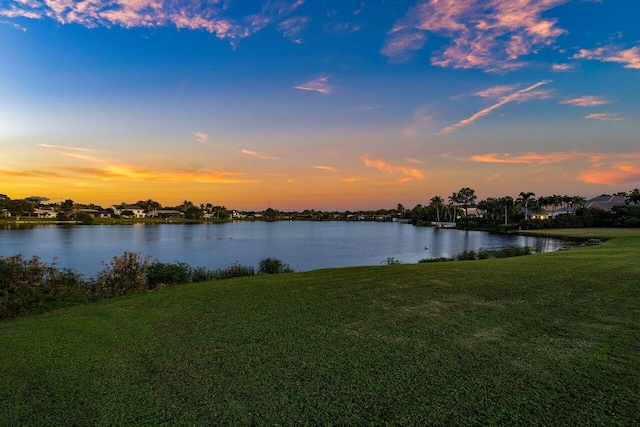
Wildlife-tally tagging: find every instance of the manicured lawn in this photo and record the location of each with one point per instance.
(546, 339)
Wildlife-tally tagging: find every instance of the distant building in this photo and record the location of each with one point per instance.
(137, 211)
(605, 202)
(165, 213)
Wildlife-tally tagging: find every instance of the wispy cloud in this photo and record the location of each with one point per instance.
(14, 25)
(496, 91)
(352, 180)
(521, 95)
(489, 35)
(416, 161)
(318, 85)
(526, 158)
(66, 147)
(407, 173)
(562, 67)
(208, 16)
(258, 155)
(126, 173)
(586, 101)
(200, 136)
(629, 57)
(325, 168)
(292, 27)
(29, 174)
(101, 168)
(604, 117)
(421, 118)
(592, 167)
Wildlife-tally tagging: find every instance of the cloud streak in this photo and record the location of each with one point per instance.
(200, 136)
(491, 35)
(604, 117)
(520, 95)
(586, 101)
(629, 57)
(326, 168)
(210, 16)
(258, 155)
(320, 85)
(599, 168)
(407, 173)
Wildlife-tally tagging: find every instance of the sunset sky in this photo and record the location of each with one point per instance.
(333, 104)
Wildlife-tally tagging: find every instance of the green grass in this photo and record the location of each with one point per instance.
(547, 339)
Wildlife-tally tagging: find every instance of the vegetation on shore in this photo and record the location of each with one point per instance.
(547, 339)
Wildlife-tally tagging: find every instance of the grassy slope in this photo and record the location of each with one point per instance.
(538, 340)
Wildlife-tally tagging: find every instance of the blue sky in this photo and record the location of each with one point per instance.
(317, 104)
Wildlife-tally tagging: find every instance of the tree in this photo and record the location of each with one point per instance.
(193, 212)
(437, 202)
(270, 214)
(633, 197)
(578, 202)
(18, 208)
(506, 203)
(67, 207)
(400, 209)
(454, 200)
(466, 197)
(491, 206)
(525, 198)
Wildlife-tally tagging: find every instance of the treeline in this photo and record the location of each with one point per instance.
(526, 211)
(28, 285)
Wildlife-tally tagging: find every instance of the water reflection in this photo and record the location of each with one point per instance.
(303, 245)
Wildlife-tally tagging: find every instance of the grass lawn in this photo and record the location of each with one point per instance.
(546, 339)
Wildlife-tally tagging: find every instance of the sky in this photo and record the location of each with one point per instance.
(317, 104)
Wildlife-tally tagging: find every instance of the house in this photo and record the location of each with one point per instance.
(605, 202)
(136, 211)
(95, 213)
(44, 213)
(165, 213)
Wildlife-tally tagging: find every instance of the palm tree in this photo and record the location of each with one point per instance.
(525, 197)
(436, 202)
(454, 199)
(633, 197)
(578, 202)
(507, 204)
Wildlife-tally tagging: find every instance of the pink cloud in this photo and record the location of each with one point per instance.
(519, 96)
(190, 14)
(292, 27)
(604, 117)
(326, 168)
(586, 101)
(318, 85)
(409, 174)
(258, 155)
(629, 57)
(562, 67)
(592, 167)
(491, 35)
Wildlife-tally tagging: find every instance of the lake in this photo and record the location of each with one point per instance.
(304, 245)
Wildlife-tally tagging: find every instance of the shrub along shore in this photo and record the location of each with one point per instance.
(546, 339)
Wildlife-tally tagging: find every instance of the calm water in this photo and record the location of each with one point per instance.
(303, 245)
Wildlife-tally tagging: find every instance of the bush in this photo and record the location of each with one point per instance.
(391, 261)
(159, 273)
(31, 286)
(466, 256)
(125, 274)
(237, 270)
(440, 259)
(274, 266)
